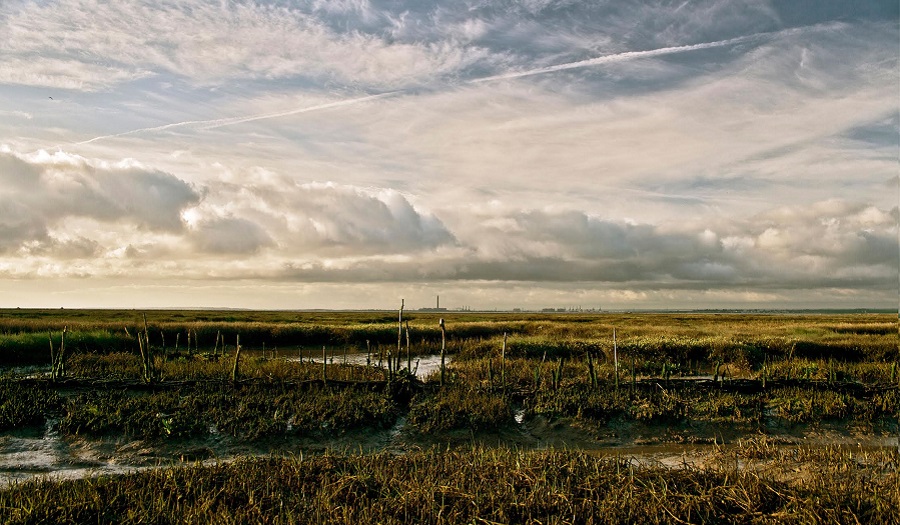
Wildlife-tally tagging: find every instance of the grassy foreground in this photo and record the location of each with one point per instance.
(764, 375)
(773, 485)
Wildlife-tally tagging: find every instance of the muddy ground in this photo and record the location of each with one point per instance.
(43, 452)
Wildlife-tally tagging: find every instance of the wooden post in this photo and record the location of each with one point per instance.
(443, 347)
(559, 368)
(141, 345)
(143, 348)
(503, 365)
(215, 348)
(399, 334)
(62, 353)
(237, 357)
(148, 357)
(52, 358)
(324, 366)
(408, 357)
(162, 336)
(616, 358)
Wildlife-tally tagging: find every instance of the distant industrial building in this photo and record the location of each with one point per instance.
(437, 307)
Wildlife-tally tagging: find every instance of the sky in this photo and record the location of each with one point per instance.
(348, 154)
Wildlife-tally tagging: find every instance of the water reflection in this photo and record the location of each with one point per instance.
(422, 366)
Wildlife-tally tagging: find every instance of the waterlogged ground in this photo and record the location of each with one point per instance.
(27, 455)
(43, 452)
(422, 366)
(38, 453)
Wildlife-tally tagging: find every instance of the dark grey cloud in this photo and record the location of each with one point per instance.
(64, 249)
(230, 236)
(828, 245)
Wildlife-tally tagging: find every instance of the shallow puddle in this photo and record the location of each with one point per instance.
(422, 366)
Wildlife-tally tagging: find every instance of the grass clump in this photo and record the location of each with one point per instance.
(250, 411)
(26, 406)
(459, 408)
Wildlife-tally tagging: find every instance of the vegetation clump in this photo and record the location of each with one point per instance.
(459, 408)
(250, 411)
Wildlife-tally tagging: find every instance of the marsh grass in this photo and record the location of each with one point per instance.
(184, 367)
(249, 411)
(739, 339)
(782, 370)
(690, 404)
(458, 407)
(482, 485)
(25, 407)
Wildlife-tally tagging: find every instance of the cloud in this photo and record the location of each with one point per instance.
(58, 73)
(206, 42)
(17, 114)
(44, 191)
(267, 226)
(704, 150)
(62, 249)
(229, 236)
(320, 217)
(825, 245)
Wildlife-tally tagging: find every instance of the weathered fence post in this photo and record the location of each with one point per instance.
(324, 366)
(616, 358)
(503, 365)
(53, 358)
(399, 334)
(237, 357)
(443, 347)
(408, 356)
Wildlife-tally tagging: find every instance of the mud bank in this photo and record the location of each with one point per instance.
(43, 452)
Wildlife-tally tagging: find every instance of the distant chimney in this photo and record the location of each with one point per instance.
(438, 302)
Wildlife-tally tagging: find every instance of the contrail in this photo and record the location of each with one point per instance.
(618, 57)
(218, 123)
(240, 120)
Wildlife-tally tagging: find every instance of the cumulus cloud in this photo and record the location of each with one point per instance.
(62, 248)
(43, 191)
(229, 236)
(315, 217)
(828, 244)
(271, 227)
